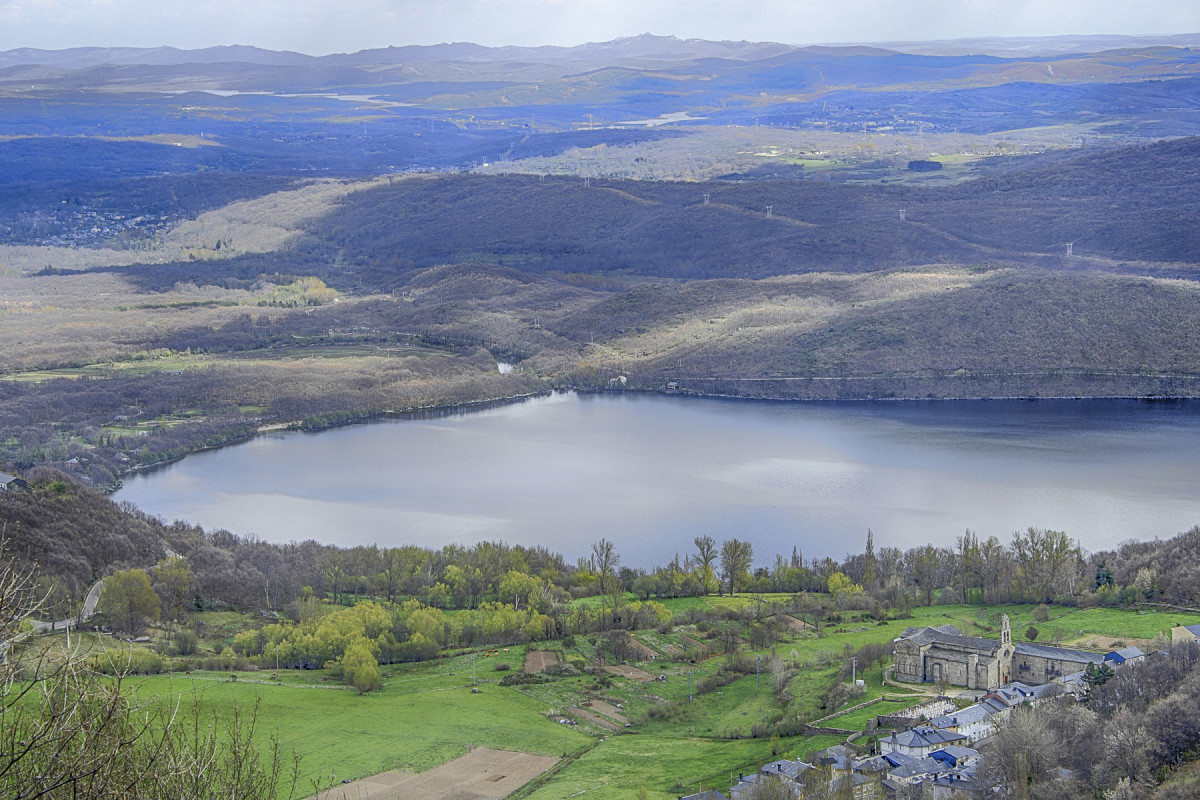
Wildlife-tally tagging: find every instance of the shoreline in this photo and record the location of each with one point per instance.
(297, 427)
(466, 406)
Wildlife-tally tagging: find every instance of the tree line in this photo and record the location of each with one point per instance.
(77, 536)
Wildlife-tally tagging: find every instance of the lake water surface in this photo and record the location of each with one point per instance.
(653, 472)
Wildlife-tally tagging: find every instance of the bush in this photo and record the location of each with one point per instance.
(186, 642)
(523, 679)
(502, 666)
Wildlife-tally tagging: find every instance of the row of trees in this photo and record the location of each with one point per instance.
(77, 536)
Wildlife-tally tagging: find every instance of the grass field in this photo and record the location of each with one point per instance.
(411, 725)
(427, 715)
(665, 767)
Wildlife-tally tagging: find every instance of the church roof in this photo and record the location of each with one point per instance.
(913, 630)
(924, 636)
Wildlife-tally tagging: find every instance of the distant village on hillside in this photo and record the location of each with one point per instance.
(930, 748)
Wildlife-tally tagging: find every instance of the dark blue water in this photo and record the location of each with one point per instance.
(651, 473)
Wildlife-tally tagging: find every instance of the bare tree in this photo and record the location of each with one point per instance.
(606, 559)
(736, 557)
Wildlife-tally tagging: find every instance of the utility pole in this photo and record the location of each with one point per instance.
(769, 209)
(854, 669)
(902, 215)
(706, 196)
(757, 673)
(1070, 249)
(689, 686)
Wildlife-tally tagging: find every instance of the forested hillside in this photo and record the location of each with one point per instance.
(1133, 205)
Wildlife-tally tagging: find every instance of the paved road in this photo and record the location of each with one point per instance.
(87, 612)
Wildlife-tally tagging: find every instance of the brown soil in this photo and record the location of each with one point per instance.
(608, 710)
(639, 675)
(480, 775)
(595, 719)
(794, 624)
(644, 651)
(538, 660)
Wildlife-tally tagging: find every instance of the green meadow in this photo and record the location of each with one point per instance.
(426, 714)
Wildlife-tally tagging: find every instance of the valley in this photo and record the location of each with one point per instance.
(209, 247)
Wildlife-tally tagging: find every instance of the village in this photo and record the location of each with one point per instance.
(932, 749)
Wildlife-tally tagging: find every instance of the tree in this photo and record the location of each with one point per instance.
(1022, 750)
(869, 566)
(67, 732)
(840, 587)
(360, 668)
(520, 589)
(1127, 749)
(736, 557)
(706, 556)
(606, 560)
(129, 600)
(925, 570)
(173, 583)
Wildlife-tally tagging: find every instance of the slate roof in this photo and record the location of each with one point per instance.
(964, 716)
(1058, 653)
(924, 766)
(711, 794)
(1195, 629)
(875, 764)
(785, 769)
(913, 630)
(925, 737)
(1125, 654)
(924, 636)
(6, 478)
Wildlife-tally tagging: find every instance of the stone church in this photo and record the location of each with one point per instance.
(933, 655)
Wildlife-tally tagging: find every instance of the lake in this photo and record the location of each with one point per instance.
(652, 472)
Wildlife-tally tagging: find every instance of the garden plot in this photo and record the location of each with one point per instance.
(482, 774)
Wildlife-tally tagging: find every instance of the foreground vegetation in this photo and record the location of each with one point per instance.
(670, 677)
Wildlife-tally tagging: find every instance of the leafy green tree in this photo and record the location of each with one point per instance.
(129, 600)
(520, 589)
(360, 668)
(869, 564)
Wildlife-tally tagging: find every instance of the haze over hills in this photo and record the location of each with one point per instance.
(736, 218)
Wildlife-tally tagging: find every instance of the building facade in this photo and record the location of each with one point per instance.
(944, 654)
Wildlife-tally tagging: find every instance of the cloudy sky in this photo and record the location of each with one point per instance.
(318, 27)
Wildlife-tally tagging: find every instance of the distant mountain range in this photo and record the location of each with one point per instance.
(646, 47)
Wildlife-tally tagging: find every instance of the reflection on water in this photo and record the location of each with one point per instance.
(651, 473)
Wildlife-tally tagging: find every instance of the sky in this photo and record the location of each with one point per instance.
(319, 27)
